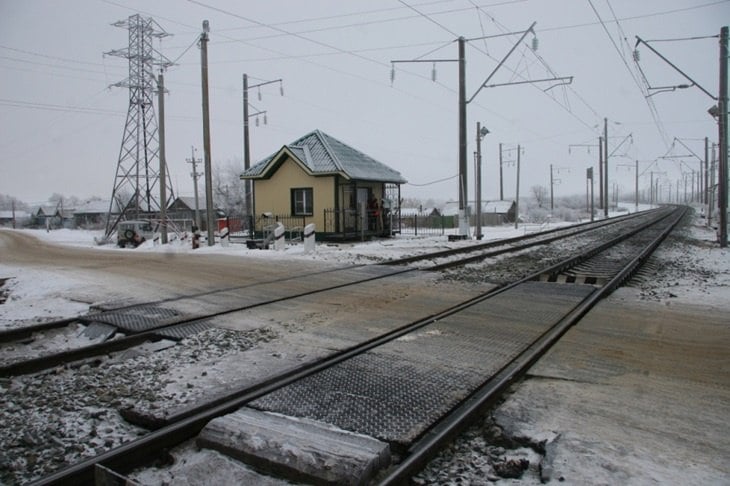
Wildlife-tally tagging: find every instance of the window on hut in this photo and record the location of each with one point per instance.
(302, 201)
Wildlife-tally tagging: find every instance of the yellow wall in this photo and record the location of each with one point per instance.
(274, 194)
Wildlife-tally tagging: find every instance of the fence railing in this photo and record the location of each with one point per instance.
(249, 227)
(351, 223)
(427, 225)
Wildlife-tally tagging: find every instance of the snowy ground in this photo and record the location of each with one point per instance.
(35, 295)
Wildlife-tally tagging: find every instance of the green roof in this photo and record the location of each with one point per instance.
(323, 154)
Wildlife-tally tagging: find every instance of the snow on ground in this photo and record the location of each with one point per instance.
(35, 294)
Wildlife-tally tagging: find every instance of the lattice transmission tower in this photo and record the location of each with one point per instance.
(136, 183)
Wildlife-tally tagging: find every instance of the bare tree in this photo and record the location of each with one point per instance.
(7, 202)
(228, 190)
(540, 194)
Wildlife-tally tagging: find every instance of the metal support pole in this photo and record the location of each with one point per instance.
(501, 185)
(651, 192)
(600, 172)
(463, 196)
(707, 171)
(593, 209)
(517, 197)
(636, 188)
(246, 151)
(206, 134)
(712, 187)
(605, 166)
(722, 106)
(551, 187)
(163, 162)
(478, 175)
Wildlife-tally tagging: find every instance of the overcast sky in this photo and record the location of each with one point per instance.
(61, 125)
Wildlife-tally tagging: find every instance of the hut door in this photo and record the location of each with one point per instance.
(363, 196)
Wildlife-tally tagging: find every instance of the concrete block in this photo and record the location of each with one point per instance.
(297, 449)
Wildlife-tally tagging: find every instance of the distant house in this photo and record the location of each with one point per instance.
(498, 212)
(91, 214)
(64, 218)
(42, 216)
(319, 179)
(18, 218)
(493, 212)
(419, 211)
(182, 212)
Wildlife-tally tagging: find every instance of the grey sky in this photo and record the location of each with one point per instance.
(61, 127)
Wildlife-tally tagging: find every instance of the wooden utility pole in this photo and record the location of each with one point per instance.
(195, 174)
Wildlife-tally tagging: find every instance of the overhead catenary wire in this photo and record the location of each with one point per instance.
(433, 182)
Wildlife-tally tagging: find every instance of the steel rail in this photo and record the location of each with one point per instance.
(567, 230)
(18, 333)
(465, 413)
(52, 360)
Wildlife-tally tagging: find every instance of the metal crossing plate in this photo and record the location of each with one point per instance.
(139, 318)
(395, 392)
(181, 331)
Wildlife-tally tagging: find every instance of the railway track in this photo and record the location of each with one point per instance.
(567, 289)
(118, 328)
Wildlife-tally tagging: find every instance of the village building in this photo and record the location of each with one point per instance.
(319, 179)
(11, 219)
(92, 214)
(182, 215)
(42, 216)
(494, 213)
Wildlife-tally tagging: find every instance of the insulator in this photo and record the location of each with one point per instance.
(257, 121)
(259, 94)
(281, 89)
(535, 43)
(266, 122)
(433, 72)
(637, 57)
(392, 73)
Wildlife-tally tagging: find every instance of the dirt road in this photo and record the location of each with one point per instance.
(138, 274)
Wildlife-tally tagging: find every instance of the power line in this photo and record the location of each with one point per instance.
(427, 17)
(678, 39)
(634, 77)
(368, 22)
(433, 182)
(53, 107)
(636, 17)
(548, 68)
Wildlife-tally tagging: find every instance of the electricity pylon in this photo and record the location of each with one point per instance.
(138, 173)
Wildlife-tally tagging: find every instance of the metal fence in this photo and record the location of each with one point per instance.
(249, 227)
(427, 225)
